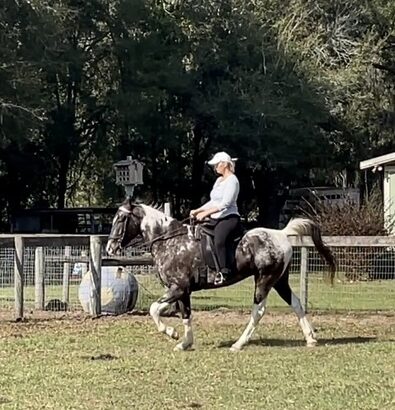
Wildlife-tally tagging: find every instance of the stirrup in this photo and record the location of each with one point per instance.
(222, 276)
(219, 278)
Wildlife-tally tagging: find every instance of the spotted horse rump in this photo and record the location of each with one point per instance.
(262, 253)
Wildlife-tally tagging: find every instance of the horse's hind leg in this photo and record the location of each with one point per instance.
(158, 307)
(262, 287)
(185, 307)
(283, 289)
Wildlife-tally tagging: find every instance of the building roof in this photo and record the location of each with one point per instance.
(377, 161)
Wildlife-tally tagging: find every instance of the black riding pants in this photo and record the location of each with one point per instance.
(222, 233)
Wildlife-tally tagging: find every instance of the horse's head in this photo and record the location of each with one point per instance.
(126, 226)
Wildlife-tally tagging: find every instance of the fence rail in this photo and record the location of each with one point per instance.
(35, 268)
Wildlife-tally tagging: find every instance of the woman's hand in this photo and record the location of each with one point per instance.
(193, 213)
(202, 215)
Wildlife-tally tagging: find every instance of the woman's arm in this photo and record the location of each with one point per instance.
(207, 212)
(230, 195)
(204, 207)
(208, 205)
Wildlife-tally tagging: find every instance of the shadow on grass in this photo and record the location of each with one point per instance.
(105, 356)
(301, 343)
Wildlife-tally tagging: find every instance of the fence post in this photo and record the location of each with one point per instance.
(95, 274)
(167, 209)
(39, 278)
(18, 276)
(303, 291)
(66, 275)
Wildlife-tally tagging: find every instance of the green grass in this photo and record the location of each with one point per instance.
(343, 296)
(51, 365)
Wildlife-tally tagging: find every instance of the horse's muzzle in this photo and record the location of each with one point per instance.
(112, 247)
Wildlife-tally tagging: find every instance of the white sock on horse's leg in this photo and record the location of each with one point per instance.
(258, 310)
(187, 342)
(307, 329)
(155, 310)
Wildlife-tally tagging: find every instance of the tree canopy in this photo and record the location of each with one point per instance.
(298, 90)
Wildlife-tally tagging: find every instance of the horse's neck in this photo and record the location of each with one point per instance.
(155, 223)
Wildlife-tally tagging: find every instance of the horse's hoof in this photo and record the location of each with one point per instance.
(171, 332)
(181, 347)
(235, 349)
(311, 343)
(175, 335)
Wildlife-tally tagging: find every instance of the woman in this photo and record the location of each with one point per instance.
(222, 208)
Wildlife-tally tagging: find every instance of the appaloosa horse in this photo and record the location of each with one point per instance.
(263, 253)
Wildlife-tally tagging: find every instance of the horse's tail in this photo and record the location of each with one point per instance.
(304, 226)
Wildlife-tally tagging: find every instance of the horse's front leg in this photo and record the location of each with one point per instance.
(159, 306)
(185, 307)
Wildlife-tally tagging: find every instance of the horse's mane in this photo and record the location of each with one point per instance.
(159, 206)
(175, 223)
(156, 205)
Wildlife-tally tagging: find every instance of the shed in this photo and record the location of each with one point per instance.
(385, 163)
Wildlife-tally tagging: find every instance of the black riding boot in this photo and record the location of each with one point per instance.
(222, 276)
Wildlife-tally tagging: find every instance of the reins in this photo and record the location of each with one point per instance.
(168, 235)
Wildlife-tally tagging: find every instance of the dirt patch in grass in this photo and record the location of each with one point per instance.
(77, 322)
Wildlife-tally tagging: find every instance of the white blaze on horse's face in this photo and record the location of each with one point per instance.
(110, 247)
(118, 225)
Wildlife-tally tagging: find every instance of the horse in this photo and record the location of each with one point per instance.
(261, 252)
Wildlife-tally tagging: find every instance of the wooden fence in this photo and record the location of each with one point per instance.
(96, 261)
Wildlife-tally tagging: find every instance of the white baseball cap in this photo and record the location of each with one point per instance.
(221, 157)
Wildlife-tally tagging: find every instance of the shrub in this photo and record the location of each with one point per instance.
(350, 218)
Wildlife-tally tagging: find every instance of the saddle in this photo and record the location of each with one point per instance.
(205, 234)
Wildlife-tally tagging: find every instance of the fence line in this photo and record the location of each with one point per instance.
(7, 240)
(45, 262)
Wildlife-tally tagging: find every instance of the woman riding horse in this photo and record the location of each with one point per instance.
(222, 210)
(262, 253)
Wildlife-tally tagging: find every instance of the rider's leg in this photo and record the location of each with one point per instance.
(222, 231)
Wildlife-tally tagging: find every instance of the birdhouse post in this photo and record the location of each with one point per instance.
(129, 173)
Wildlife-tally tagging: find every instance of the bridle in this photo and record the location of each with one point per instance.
(119, 237)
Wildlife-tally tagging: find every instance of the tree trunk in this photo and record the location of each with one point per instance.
(201, 145)
(268, 199)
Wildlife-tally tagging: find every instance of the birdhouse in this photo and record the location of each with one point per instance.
(128, 172)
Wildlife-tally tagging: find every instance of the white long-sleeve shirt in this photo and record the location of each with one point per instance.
(224, 196)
